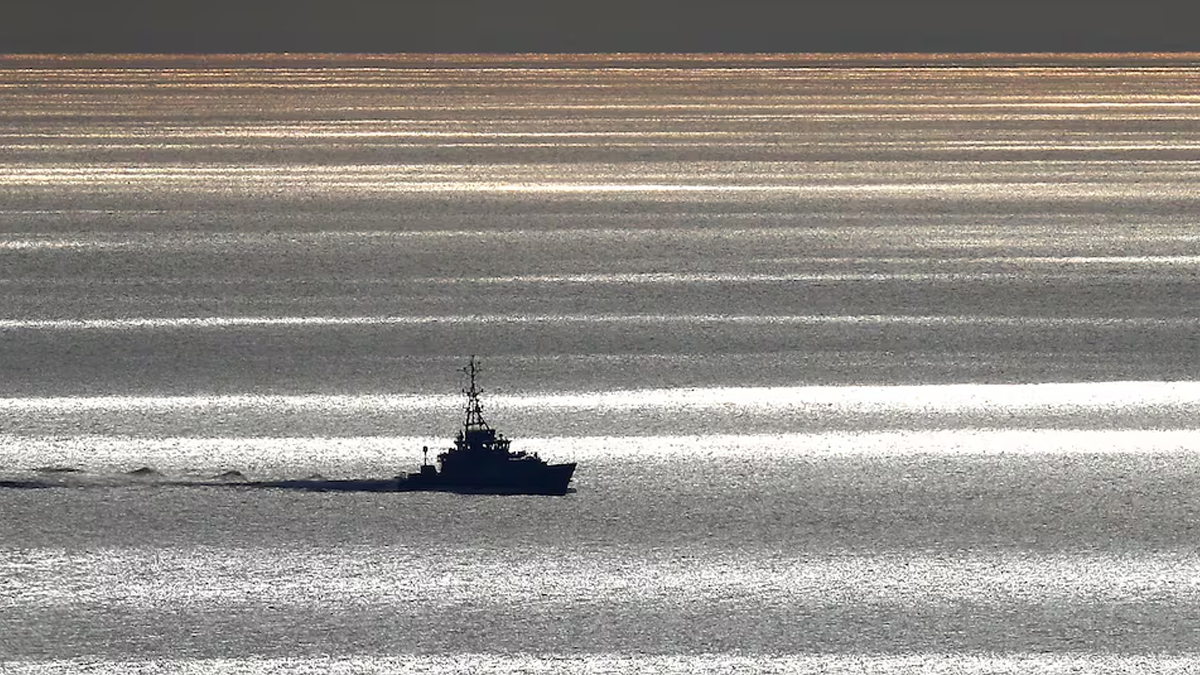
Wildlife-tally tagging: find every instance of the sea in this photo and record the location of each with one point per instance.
(870, 363)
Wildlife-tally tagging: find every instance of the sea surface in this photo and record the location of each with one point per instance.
(869, 363)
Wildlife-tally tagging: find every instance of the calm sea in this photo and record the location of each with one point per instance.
(870, 364)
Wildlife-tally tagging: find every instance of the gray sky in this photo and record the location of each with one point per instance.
(596, 26)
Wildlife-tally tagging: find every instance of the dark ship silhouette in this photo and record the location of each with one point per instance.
(481, 462)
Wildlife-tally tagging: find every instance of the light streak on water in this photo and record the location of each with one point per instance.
(986, 579)
(216, 322)
(258, 457)
(931, 399)
(932, 663)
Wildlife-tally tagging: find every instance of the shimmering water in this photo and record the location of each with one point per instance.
(870, 364)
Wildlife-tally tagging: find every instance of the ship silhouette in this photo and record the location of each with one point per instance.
(480, 462)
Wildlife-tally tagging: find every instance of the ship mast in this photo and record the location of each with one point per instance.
(474, 410)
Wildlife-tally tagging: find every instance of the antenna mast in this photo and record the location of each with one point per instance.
(474, 416)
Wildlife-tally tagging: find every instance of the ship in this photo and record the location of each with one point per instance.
(482, 462)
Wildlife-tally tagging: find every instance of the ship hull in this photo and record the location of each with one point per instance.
(551, 479)
(547, 479)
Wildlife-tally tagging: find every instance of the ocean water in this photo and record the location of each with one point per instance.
(870, 363)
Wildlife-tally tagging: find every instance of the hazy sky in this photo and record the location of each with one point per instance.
(595, 25)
